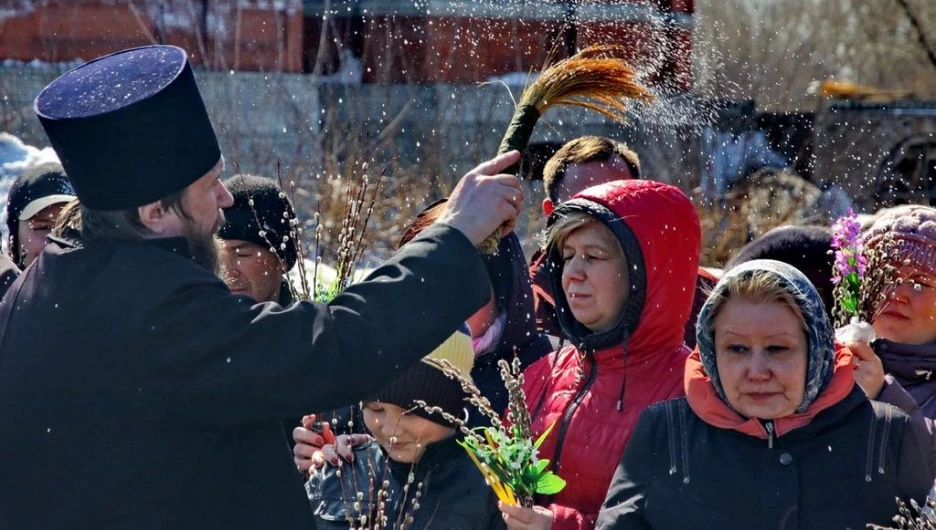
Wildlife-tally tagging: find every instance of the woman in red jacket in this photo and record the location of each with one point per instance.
(628, 253)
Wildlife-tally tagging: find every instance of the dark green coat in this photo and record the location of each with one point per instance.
(842, 470)
(137, 392)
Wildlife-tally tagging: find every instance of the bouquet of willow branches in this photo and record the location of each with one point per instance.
(864, 275)
(379, 508)
(915, 517)
(359, 206)
(360, 197)
(505, 454)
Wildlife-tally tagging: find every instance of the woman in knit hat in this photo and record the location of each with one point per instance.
(901, 366)
(414, 457)
(773, 432)
(33, 207)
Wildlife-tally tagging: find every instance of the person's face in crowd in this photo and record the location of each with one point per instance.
(910, 315)
(403, 436)
(251, 270)
(578, 177)
(760, 355)
(479, 322)
(594, 276)
(31, 233)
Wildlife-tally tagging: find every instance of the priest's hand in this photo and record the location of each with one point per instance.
(485, 200)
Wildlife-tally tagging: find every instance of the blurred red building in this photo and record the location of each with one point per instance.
(459, 41)
(378, 41)
(218, 34)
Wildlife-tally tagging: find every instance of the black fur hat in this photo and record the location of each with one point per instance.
(270, 206)
(808, 248)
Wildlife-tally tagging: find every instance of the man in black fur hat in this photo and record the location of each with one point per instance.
(259, 246)
(152, 398)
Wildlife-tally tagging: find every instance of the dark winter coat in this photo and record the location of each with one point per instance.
(593, 391)
(453, 494)
(9, 272)
(838, 462)
(913, 367)
(843, 470)
(520, 337)
(544, 302)
(909, 385)
(705, 281)
(139, 393)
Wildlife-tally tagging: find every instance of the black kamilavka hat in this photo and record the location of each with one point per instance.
(130, 128)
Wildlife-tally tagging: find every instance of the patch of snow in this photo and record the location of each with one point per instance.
(278, 5)
(42, 65)
(15, 158)
(351, 71)
(174, 19)
(326, 274)
(834, 203)
(217, 25)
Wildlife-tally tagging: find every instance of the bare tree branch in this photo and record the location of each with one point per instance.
(927, 46)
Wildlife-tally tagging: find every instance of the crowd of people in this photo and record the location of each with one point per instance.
(156, 367)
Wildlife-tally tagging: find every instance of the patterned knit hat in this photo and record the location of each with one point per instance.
(425, 381)
(914, 227)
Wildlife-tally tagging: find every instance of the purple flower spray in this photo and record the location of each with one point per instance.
(864, 275)
(850, 264)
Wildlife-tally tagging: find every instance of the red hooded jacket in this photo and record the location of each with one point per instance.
(594, 389)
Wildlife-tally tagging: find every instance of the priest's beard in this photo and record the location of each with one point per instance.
(205, 247)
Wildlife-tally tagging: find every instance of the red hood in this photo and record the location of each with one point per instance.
(661, 237)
